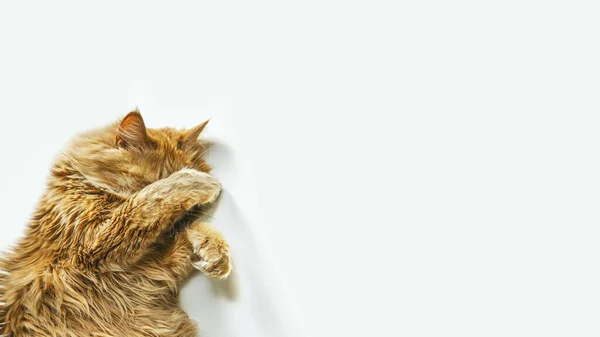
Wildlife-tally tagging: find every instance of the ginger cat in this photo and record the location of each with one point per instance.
(113, 237)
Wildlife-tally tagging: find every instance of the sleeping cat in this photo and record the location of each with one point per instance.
(114, 236)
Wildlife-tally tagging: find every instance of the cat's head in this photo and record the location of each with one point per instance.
(126, 156)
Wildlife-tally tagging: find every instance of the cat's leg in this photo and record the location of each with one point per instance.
(141, 219)
(173, 258)
(210, 251)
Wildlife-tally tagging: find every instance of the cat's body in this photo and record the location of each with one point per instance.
(110, 241)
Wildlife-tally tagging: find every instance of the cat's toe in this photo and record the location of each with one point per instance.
(210, 250)
(213, 260)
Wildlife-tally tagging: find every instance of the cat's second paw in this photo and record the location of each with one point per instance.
(210, 251)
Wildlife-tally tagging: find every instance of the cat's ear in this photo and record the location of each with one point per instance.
(192, 135)
(132, 131)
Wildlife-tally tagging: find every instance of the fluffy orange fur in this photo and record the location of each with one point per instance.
(113, 237)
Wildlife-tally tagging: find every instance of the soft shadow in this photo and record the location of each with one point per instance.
(243, 304)
(220, 156)
(228, 288)
(250, 266)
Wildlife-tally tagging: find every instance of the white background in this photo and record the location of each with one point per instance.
(392, 168)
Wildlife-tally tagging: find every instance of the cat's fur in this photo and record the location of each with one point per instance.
(111, 239)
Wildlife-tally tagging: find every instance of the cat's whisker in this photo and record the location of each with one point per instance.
(197, 212)
(208, 148)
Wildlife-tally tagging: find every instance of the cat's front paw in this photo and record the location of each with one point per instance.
(210, 251)
(203, 184)
(211, 189)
